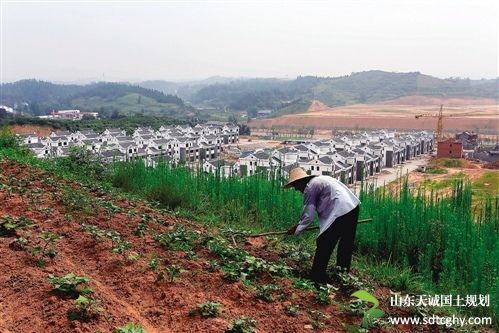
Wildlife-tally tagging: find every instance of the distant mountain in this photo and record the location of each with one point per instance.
(209, 96)
(40, 97)
(166, 87)
(185, 89)
(294, 96)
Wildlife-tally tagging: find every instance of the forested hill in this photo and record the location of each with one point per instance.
(165, 98)
(288, 96)
(40, 97)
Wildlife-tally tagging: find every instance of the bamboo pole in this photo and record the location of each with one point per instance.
(273, 233)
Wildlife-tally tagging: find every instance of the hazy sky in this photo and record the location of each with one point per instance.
(180, 40)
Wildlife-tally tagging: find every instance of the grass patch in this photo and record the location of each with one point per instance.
(448, 162)
(488, 183)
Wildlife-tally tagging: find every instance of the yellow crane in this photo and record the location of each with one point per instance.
(440, 116)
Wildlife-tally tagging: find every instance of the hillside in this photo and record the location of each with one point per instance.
(186, 89)
(219, 94)
(113, 241)
(104, 97)
(294, 96)
(469, 113)
(86, 247)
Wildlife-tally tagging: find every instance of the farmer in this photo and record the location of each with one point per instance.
(338, 210)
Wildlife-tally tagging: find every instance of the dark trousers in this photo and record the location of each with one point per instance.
(342, 230)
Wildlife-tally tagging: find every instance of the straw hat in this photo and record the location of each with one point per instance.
(295, 175)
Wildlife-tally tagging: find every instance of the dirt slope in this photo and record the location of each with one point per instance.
(127, 290)
(468, 114)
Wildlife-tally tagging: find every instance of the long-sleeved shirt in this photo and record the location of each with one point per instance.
(330, 197)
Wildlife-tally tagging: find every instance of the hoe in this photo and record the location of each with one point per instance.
(273, 233)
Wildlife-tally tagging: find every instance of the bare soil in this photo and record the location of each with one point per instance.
(395, 114)
(42, 131)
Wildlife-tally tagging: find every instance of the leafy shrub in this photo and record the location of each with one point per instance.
(191, 255)
(130, 328)
(94, 230)
(77, 201)
(84, 161)
(207, 310)
(452, 163)
(8, 139)
(153, 264)
(212, 266)
(323, 295)
(317, 319)
(19, 243)
(254, 266)
(242, 325)
(303, 284)
(110, 207)
(178, 239)
(435, 170)
(46, 247)
(298, 255)
(348, 280)
(231, 274)
(9, 225)
(227, 253)
(86, 308)
(71, 284)
(266, 291)
(167, 195)
(118, 244)
(173, 271)
(140, 230)
(291, 310)
(238, 263)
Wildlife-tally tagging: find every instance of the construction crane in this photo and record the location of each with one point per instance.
(440, 116)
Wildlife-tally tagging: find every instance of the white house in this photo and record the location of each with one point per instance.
(220, 167)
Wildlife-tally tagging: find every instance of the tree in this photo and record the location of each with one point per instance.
(232, 119)
(3, 113)
(244, 129)
(115, 114)
(35, 109)
(252, 112)
(87, 117)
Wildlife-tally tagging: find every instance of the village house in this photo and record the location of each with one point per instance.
(28, 138)
(220, 168)
(450, 148)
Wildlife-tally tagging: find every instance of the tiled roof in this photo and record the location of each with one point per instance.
(326, 160)
(261, 155)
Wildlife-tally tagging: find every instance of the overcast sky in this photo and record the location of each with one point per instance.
(68, 41)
